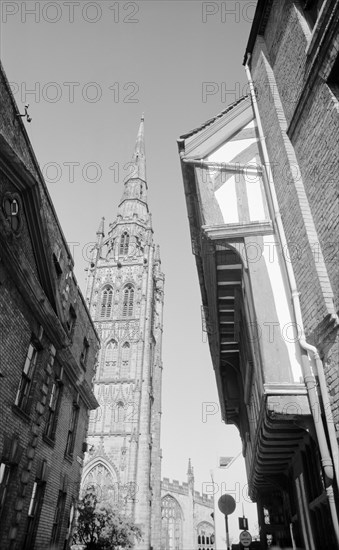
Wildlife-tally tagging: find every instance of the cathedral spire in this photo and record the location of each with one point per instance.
(139, 158)
(190, 475)
(101, 228)
(134, 198)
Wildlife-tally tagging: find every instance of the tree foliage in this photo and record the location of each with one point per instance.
(102, 527)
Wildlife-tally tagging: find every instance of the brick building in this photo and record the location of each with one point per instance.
(125, 294)
(186, 516)
(261, 188)
(48, 349)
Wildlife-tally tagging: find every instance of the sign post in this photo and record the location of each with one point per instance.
(226, 504)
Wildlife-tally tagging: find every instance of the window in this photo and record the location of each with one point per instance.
(111, 359)
(70, 521)
(106, 302)
(53, 409)
(171, 524)
(128, 300)
(72, 429)
(333, 79)
(22, 399)
(12, 209)
(84, 353)
(119, 416)
(5, 472)
(58, 517)
(71, 319)
(311, 10)
(205, 536)
(34, 511)
(57, 260)
(125, 360)
(124, 244)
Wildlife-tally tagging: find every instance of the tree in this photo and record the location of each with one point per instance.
(102, 527)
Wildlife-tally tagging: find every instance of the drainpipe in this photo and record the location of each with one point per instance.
(309, 379)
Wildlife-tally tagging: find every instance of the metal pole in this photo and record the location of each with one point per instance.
(227, 533)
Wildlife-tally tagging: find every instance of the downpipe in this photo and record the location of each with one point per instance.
(309, 378)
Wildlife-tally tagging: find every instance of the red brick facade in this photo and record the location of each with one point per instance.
(48, 350)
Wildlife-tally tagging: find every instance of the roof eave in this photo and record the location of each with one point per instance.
(258, 26)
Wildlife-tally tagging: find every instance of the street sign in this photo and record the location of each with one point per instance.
(243, 523)
(226, 504)
(245, 538)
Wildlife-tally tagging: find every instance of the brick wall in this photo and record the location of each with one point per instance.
(34, 304)
(299, 113)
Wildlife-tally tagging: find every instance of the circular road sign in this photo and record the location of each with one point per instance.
(226, 504)
(245, 538)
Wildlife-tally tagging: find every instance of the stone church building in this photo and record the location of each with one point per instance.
(187, 517)
(125, 297)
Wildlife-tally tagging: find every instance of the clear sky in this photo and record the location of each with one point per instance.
(88, 71)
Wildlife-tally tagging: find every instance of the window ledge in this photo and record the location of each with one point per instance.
(48, 440)
(22, 414)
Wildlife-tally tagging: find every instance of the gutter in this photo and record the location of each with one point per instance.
(331, 471)
(226, 166)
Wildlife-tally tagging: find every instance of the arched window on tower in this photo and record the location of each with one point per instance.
(124, 244)
(128, 301)
(119, 416)
(111, 358)
(106, 302)
(125, 354)
(171, 524)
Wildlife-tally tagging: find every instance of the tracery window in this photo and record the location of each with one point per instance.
(205, 532)
(171, 524)
(111, 359)
(124, 244)
(125, 354)
(106, 302)
(100, 481)
(119, 416)
(128, 301)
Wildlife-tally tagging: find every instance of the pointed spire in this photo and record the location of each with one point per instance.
(189, 469)
(157, 256)
(139, 158)
(190, 475)
(101, 228)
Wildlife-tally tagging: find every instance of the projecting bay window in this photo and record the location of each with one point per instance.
(72, 430)
(22, 399)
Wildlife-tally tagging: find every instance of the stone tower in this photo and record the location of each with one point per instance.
(125, 297)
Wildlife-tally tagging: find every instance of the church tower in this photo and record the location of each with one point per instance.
(125, 292)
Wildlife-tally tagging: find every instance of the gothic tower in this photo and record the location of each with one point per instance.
(125, 297)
